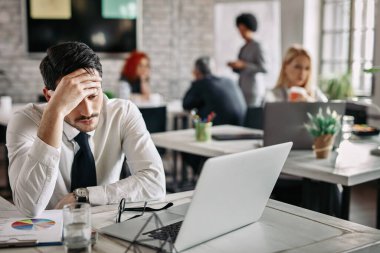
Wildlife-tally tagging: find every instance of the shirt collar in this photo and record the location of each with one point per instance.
(71, 132)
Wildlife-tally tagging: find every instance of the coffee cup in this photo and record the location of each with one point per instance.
(297, 94)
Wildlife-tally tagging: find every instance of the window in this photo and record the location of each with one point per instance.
(348, 41)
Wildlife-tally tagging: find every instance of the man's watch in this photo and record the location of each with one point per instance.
(81, 195)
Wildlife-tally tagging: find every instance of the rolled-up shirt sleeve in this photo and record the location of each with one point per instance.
(33, 166)
(147, 181)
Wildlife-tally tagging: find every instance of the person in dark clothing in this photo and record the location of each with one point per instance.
(209, 93)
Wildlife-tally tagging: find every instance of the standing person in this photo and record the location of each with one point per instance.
(72, 148)
(250, 61)
(295, 77)
(209, 93)
(135, 76)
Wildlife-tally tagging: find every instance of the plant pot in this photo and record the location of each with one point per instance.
(323, 145)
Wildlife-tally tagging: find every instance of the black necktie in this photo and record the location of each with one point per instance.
(83, 172)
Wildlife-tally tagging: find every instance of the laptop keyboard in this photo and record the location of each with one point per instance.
(164, 232)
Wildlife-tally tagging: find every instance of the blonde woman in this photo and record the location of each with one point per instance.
(294, 84)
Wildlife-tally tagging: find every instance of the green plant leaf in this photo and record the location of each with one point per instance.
(372, 70)
(323, 123)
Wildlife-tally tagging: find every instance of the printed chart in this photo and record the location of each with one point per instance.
(33, 224)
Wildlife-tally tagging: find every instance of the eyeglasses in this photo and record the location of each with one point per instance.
(138, 209)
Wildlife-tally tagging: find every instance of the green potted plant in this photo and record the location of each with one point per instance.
(337, 87)
(323, 127)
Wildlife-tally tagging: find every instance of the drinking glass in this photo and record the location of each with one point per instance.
(347, 124)
(77, 228)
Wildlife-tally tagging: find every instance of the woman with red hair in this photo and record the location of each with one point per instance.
(135, 76)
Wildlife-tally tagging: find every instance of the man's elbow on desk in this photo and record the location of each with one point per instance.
(29, 209)
(159, 191)
(153, 184)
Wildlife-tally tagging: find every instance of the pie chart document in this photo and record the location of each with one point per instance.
(46, 228)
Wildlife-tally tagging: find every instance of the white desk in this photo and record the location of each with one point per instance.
(352, 165)
(5, 116)
(184, 141)
(282, 228)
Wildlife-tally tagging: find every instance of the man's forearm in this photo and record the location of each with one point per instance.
(143, 185)
(51, 127)
(33, 172)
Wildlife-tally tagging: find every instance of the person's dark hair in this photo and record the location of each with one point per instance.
(202, 64)
(65, 58)
(248, 20)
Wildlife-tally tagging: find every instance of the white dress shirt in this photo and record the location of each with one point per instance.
(40, 174)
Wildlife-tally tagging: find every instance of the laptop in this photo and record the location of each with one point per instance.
(285, 121)
(232, 192)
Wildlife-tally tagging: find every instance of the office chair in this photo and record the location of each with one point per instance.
(254, 117)
(155, 118)
(358, 111)
(6, 189)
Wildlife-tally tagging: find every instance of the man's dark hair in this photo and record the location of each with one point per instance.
(65, 58)
(202, 64)
(248, 20)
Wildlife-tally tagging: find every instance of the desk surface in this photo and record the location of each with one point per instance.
(184, 140)
(5, 116)
(349, 165)
(352, 163)
(282, 228)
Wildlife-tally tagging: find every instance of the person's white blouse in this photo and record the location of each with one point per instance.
(280, 94)
(40, 174)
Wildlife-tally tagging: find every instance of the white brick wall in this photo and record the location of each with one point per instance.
(174, 32)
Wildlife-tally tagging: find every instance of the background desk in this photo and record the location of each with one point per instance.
(352, 165)
(282, 228)
(184, 141)
(5, 116)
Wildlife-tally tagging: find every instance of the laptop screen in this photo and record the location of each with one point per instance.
(285, 121)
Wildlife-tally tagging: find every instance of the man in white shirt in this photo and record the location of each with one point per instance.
(73, 147)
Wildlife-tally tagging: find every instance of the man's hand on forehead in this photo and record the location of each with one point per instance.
(81, 76)
(74, 87)
(79, 72)
(96, 91)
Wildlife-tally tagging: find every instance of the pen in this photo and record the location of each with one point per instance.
(14, 242)
(211, 116)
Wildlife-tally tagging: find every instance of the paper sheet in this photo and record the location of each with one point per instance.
(46, 228)
(6, 206)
